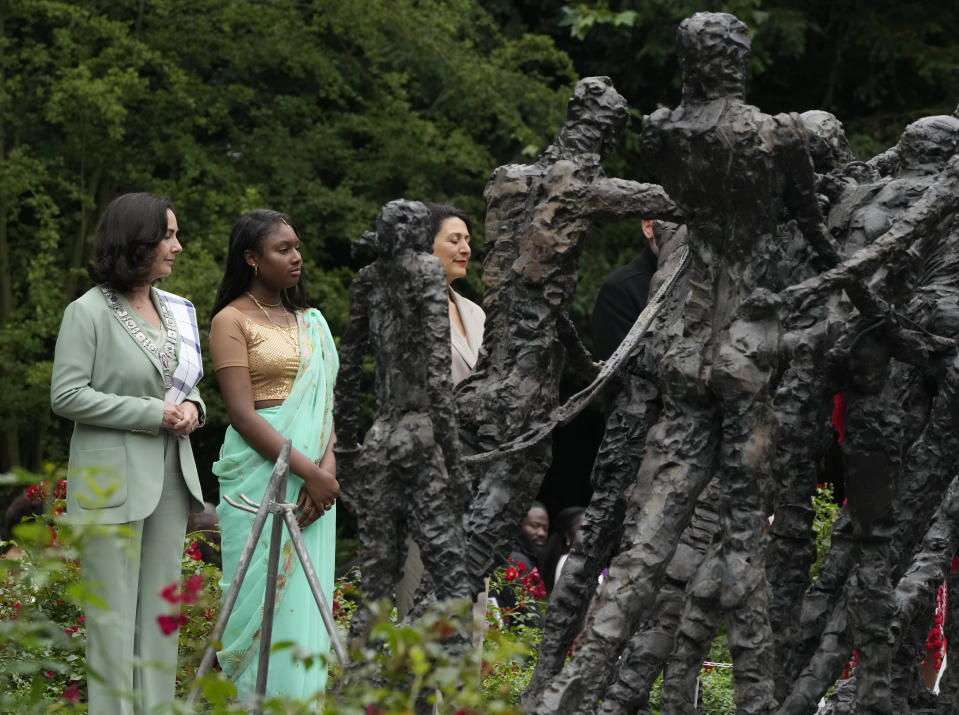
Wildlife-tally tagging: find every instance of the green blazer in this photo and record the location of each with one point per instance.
(112, 388)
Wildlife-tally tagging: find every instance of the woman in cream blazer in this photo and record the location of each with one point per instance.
(125, 371)
(465, 345)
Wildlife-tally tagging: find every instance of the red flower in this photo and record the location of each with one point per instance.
(60, 491)
(191, 588)
(521, 567)
(850, 666)
(169, 624)
(37, 492)
(169, 593)
(193, 551)
(511, 573)
(444, 628)
(533, 584)
(71, 694)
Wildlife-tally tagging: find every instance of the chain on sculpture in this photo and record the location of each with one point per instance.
(805, 275)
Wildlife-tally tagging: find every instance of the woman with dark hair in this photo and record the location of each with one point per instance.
(451, 244)
(125, 370)
(276, 364)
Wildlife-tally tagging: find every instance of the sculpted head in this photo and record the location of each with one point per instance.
(713, 50)
(928, 143)
(595, 118)
(826, 140)
(403, 225)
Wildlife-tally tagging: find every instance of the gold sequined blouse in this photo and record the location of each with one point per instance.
(269, 352)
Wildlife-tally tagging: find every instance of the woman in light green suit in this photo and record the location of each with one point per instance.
(125, 371)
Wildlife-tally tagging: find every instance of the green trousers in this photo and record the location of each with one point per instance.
(131, 663)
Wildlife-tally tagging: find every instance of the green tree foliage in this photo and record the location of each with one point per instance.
(876, 64)
(322, 109)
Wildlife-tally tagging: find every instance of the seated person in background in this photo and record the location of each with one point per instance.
(623, 295)
(524, 557)
(533, 530)
(22, 507)
(568, 522)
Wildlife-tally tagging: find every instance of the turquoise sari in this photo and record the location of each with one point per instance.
(306, 417)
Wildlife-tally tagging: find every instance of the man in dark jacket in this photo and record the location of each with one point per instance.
(622, 297)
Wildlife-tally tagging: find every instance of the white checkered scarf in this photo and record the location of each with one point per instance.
(189, 367)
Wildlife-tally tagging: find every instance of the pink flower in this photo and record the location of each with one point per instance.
(169, 624)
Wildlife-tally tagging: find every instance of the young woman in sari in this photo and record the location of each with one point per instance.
(276, 364)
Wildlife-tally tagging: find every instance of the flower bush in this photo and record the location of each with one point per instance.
(42, 635)
(517, 596)
(41, 627)
(399, 669)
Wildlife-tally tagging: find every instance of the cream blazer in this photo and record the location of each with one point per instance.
(466, 349)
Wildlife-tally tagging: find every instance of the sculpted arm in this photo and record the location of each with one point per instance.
(353, 349)
(622, 198)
